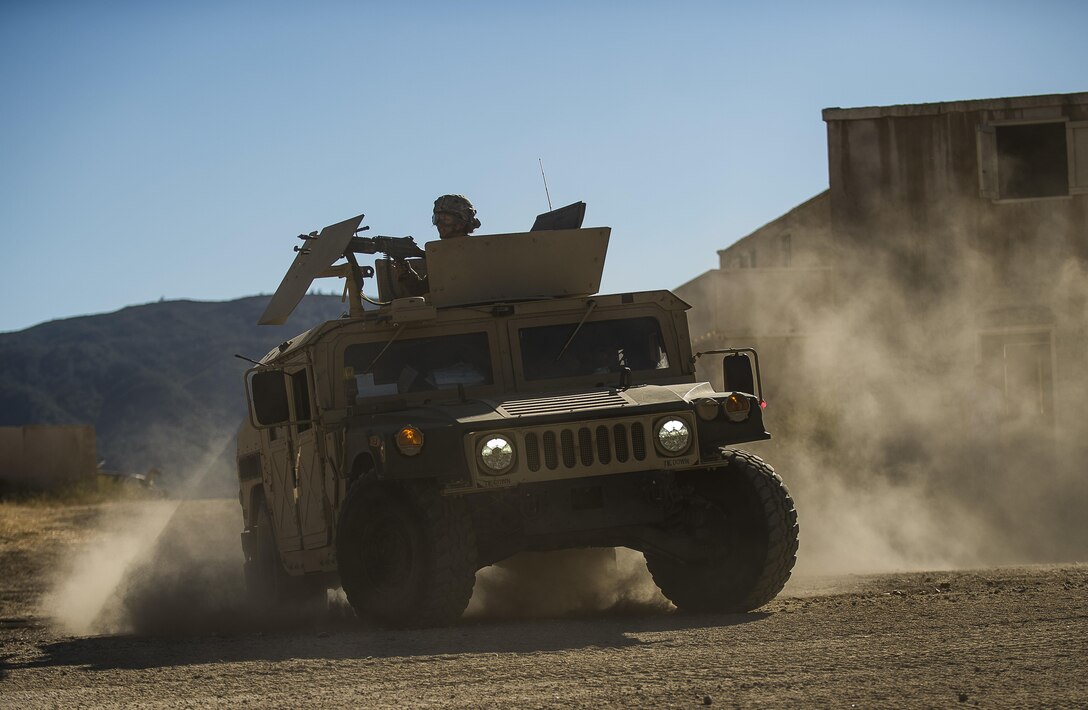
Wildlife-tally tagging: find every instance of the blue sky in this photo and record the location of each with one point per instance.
(155, 150)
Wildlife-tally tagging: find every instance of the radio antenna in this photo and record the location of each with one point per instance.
(548, 194)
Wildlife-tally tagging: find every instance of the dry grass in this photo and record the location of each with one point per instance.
(90, 490)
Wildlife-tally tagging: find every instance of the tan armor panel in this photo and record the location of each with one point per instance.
(515, 267)
(314, 256)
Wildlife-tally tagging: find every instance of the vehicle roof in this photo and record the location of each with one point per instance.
(384, 319)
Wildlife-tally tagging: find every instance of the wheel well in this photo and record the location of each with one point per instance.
(362, 466)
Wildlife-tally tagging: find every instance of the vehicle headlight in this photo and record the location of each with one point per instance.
(674, 436)
(497, 455)
(707, 408)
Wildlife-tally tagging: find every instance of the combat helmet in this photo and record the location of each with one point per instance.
(457, 205)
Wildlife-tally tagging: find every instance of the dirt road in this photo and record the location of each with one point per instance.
(995, 637)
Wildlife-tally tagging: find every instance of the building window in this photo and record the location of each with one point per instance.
(1032, 161)
(1026, 161)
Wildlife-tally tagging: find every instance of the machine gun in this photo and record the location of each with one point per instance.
(396, 248)
(316, 257)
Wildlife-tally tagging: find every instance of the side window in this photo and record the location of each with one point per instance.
(280, 399)
(300, 390)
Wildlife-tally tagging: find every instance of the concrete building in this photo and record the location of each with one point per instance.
(43, 456)
(968, 218)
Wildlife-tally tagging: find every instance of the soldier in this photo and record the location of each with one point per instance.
(453, 216)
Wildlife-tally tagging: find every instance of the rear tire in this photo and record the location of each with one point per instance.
(268, 586)
(407, 555)
(746, 513)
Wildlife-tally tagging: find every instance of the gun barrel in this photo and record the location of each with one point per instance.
(393, 247)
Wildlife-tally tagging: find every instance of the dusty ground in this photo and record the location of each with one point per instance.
(994, 637)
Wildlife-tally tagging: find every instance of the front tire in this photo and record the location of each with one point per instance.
(746, 514)
(407, 555)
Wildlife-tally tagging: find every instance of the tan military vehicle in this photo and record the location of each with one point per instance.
(399, 449)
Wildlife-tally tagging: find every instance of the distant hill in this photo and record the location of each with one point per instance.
(159, 381)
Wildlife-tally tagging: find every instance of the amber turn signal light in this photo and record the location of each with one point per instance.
(409, 440)
(737, 407)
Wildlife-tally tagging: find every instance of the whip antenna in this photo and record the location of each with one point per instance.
(548, 194)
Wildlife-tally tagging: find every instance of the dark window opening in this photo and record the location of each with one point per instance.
(598, 347)
(1032, 161)
(420, 364)
(249, 467)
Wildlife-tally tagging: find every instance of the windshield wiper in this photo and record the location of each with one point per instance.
(590, 305)
(370, 367)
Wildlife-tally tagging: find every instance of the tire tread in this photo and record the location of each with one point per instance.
(451, 562)
(687, 585)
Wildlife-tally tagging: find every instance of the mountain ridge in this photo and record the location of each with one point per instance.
(159, 381)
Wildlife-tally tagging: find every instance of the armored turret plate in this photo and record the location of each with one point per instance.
(315, 256)
(516, 267)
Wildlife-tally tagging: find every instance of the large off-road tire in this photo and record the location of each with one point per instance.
(407, 555)
(268, 586)
(746, 514)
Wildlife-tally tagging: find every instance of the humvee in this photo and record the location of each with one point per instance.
(417, 439)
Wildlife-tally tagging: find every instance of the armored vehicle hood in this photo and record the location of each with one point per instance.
(602, 401)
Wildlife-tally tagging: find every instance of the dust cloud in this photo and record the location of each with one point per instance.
(566, 583)
(170, 568)
(175, 567)
(914, 422)
(129, 529)
(154, 565)
(165, 568)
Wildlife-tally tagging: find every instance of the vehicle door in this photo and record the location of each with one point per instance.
(314, 505)
(278, 463)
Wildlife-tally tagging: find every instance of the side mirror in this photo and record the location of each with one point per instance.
(737, 374)
(270, 397)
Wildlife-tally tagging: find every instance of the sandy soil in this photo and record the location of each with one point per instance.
(994, 637)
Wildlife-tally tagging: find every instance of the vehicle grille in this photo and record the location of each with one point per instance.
(585, 446)
(566, 403)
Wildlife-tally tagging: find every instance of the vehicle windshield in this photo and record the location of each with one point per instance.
(420, 364)
(599, 347)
